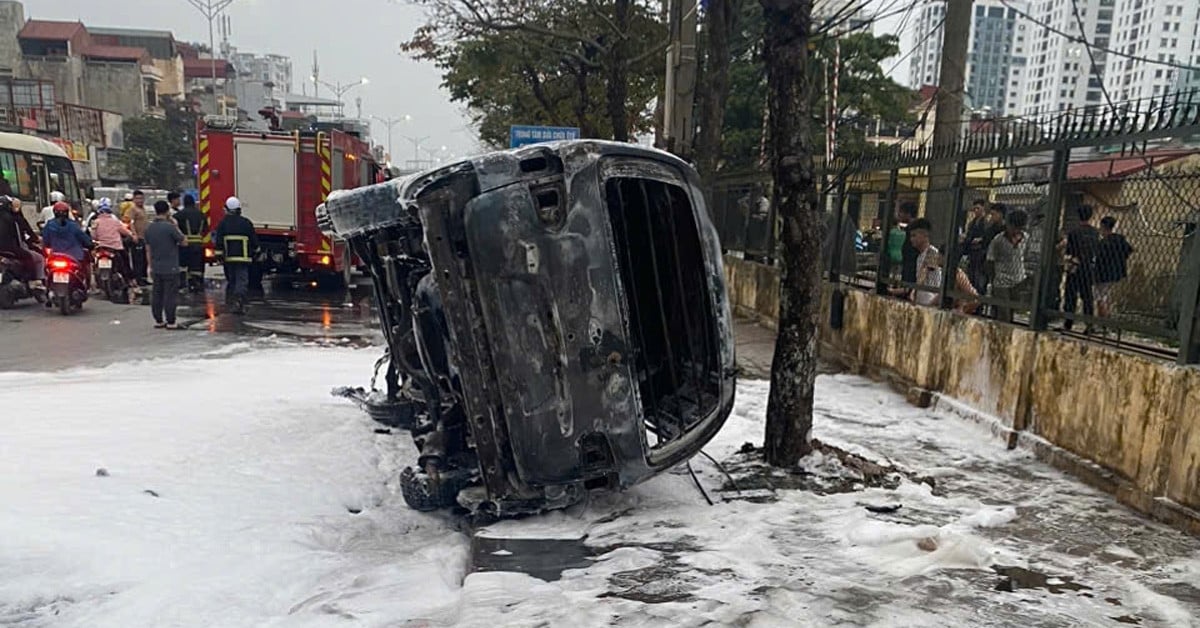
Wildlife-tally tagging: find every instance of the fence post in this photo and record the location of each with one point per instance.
(1189, 335)
(772, 218)
(883, 267)
(1044, 286)
(950, 254)
(838, 225)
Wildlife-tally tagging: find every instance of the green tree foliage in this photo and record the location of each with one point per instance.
(866, 94)
(159, 151)
(594, 64)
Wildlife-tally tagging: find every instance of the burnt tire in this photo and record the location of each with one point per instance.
(423, 494)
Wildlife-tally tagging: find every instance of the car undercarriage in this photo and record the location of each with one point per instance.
(556, 321)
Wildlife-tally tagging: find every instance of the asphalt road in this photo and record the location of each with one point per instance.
(33, 338)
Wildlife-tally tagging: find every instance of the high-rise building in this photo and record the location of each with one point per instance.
(995, 58)
(1059, 74)
(850, 15)
(1154, 30)
(275, 69)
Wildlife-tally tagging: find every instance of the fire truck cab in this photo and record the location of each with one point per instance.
(280, 177)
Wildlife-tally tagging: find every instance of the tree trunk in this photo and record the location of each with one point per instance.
(618, 72)
(794, 370)
(722, 19)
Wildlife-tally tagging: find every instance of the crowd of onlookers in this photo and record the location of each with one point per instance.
(996, 248)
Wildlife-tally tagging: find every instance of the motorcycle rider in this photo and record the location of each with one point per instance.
(194, 225)
(64, 236)
(110, 233)
(19, 241)
(47, 213)
(236, 242)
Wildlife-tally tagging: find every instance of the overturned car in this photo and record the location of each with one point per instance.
(556, 321)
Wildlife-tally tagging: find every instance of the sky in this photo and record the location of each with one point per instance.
(353, 39)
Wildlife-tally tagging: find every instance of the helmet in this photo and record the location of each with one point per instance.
(233, 204)
(105, 206)
(57, 197)
(128, 196)
(6, 203)
(61, 209)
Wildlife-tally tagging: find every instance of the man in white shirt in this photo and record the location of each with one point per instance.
(47, 213)
(929, 263)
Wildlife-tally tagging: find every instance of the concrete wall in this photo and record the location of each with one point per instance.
(114, 86)
(65, 72)
(172, 76)
(12, 18)
(1126, 423)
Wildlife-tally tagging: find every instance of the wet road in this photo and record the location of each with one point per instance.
(33, 338)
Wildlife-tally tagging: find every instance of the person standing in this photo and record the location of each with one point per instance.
(194, 225)
(163, 240)
(236, 243)
(135, 216)
(928, 265)
(900, 247)
(175, 200)
(1006, 262)
(975, 245)
(1081, 244)
(1112, 264)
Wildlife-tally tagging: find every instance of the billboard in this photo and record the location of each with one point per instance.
(519, 135)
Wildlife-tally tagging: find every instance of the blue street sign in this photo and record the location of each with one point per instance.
(523, 135)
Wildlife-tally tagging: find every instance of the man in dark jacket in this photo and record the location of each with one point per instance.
(194, 225)
(19, 241)
(236, 243)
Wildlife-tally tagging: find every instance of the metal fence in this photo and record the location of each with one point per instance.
(1078, 223)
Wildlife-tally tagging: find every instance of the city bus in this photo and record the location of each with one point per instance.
(32, 168)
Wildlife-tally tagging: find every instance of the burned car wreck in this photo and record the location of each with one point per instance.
(556, 321)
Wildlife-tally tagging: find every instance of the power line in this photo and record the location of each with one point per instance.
(1080, 39)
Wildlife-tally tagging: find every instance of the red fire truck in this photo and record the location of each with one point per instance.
(280, 177)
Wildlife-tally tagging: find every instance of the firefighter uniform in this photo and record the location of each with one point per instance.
(236, 243)
(194, 225)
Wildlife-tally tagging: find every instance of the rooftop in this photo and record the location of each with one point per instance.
(202, 68)
(1118, 167)
(129, 32)
(115, 53)
(50, 30)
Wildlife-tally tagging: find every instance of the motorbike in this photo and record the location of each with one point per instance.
(109, 277)
(68, 283)
(14, 286)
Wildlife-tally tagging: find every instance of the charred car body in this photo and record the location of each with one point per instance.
(556, 320)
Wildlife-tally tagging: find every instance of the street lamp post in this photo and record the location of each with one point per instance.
(416, 142)
(210, 9)
(389, 123)
(340, 90)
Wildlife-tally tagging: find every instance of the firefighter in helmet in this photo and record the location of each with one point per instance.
(194, 225)
(236, 243)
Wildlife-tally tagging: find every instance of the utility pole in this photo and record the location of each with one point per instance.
(947, 130)
(210, 9)
(681, 78)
